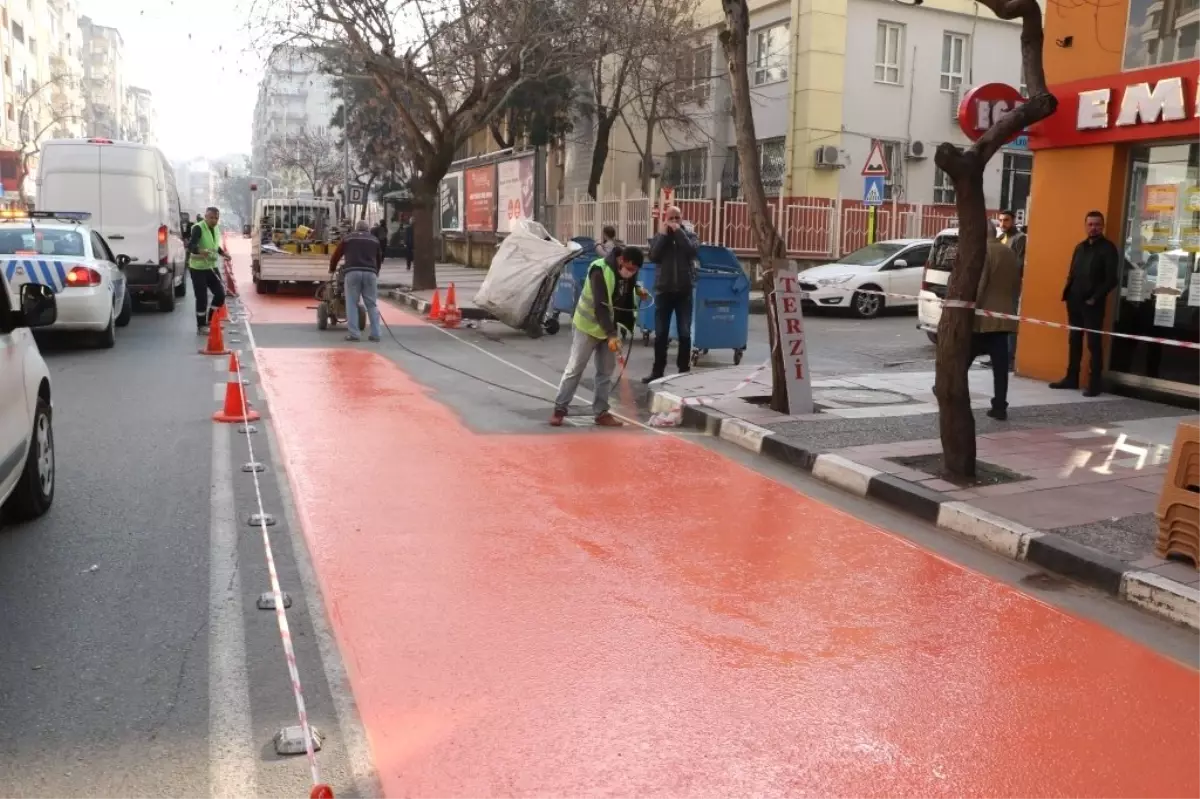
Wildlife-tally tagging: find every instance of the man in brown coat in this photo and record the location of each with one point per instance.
(998, 286)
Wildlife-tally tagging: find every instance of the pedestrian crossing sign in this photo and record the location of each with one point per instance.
(873, 190)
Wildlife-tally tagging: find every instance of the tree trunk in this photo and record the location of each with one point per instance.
(956, 420)
(424, 264)
(771, 248)
(604, 126)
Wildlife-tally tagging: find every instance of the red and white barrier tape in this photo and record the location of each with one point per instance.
(674, 417)
(1192, 345)
(285, 633)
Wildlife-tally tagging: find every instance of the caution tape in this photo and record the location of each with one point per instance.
(674, 417)
(1171, 342)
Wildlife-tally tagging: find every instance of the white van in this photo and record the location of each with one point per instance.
(934, 280)
(130, 190)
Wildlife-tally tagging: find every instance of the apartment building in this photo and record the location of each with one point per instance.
(103, 79)
(138, 116)
(293, 95)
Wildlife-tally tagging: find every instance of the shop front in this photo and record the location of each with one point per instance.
(1125, 142)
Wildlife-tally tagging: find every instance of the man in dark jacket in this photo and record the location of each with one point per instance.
(1011, 235)
(364, 258)
(672, 252)
(1093, 275)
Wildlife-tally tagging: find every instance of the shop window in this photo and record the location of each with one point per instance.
(1015, 179)
(943, 188)
(954, 61)
(771, 54)
(1161, 32)
(889, 52)
(1159, 292)
(686, 171)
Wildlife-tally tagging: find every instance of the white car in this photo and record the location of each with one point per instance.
(26, 431)
(59, 251)
(933, 283)
(893, 267)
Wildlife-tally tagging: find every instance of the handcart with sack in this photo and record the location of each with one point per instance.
(523, 277)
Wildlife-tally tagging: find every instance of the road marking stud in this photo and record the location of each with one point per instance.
(266, 601)
(261, 520)
(290, 740)
(253, 466)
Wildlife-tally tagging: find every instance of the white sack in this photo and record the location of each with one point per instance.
(522, 263)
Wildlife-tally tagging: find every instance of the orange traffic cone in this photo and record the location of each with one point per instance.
(435, 308)
(216, 340)
(221, 314)
(452, 315)
(451, 299)
(236, 409)
(235, 369)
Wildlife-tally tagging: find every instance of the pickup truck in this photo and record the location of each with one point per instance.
(294, 251)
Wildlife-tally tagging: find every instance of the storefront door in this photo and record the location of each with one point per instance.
(1160, 287)
(1014, 185)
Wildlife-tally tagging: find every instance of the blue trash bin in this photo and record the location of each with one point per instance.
(570, 283)
(645, 313)
(720, 304)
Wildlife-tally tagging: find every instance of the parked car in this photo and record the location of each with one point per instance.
(893, 267)
(27, 473)
(934, 280)
(60, 251)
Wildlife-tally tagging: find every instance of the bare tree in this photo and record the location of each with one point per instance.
(446, 67)
(965, 168)
(43, 110)
(771, 249)
(312, 153)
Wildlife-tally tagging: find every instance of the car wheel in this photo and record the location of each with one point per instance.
(181, 289)
(932, 337)
(126, 309)
(866, 306)
(166, 301)
(34, 492)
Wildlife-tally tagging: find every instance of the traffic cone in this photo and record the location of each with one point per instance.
(321, 791)
(236, 408)
(435, 308)
(216, 341)
(451, 316)
(451, 300)
(221, 314)
(235, 369)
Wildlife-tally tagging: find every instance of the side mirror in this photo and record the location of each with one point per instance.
(123, 261)
(899, 263)
(38, 306)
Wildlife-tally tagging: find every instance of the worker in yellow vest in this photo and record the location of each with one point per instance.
(596, 335)
(204, 249)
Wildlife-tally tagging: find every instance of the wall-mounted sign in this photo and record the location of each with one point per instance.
(481, 199)
(1160, 102)
(984, 106)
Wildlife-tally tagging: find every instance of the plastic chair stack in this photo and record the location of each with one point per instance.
(1179, 503)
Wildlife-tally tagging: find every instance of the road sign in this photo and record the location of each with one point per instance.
(358, 195)
(873, 190)
(877, 165)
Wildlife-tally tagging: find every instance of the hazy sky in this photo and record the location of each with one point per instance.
(181, 50)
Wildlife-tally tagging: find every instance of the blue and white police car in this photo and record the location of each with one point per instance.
(58, 249)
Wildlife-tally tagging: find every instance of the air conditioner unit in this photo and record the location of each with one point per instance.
(916, 150)
(827, 157)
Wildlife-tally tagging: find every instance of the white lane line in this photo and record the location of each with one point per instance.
(353, 733)
(231, 750)
(219, 393)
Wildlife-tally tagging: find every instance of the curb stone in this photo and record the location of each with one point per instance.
(1152, 592)
(422, 306)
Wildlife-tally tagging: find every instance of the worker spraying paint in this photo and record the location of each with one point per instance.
(596, 335)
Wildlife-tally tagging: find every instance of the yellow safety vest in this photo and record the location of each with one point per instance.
(585, 311)
(209, 240)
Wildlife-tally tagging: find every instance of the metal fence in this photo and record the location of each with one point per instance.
(814, 228)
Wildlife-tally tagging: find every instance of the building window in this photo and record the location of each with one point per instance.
(686, 171)
(954, 61)
(18, 32)
(1015, 179)
(772, 157)
(32, 46)
(1161, 32)
(771, 54)
(9, 111)
(889, 46)
(943, 189)
(893, 184)
(692, 73)
(7, 67)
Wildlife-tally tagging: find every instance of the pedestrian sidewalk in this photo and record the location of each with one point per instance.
(466, 280)
(1068, 483)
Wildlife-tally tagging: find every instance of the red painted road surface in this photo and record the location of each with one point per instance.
(623, 613)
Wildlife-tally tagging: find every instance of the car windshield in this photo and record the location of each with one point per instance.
(23, 241)
(872, 254)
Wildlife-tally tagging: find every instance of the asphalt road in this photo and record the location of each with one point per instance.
(134, 661)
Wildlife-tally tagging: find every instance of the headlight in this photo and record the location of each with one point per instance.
(833, 281)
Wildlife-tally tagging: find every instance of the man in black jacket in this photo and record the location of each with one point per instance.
(672, 253)
(364, 258)
(1094, 273)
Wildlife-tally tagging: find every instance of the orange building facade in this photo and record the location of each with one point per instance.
(1125, 141)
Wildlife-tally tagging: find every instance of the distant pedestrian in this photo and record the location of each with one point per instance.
(1092, 276)
(364, 258)
(672, 252)
(380, 231)
(595, 337)
(408, 245)
(997, 292)
(1011, 235)
(608, 241)
(204, 247)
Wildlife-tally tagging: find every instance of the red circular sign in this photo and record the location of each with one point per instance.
(983, 106)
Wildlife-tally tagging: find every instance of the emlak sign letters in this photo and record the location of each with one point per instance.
(1156, 103)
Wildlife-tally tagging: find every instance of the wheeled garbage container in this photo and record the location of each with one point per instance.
(570, 283)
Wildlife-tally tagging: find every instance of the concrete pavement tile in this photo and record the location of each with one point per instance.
(1130, 537)
(1148, 562)
(1177, 570)
(1070, 505)
(1152, 483)
(965, 494)
(938, 484)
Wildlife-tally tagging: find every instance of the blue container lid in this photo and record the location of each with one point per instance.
(718, 259)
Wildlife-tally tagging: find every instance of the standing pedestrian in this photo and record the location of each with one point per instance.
(608, 242)
(364, 258)
(408, 244)
(1011, 235)
(204, 247)
(672, 252)
(1093, 275)
(595, 337)
(998, 289)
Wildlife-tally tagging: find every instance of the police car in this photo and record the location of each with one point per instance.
(57, 249)
(27, 473)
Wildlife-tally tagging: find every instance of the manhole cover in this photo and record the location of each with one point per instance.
(860, 396)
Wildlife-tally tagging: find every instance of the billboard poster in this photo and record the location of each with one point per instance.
(514, 192)
(450, 202)
(481, 199)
